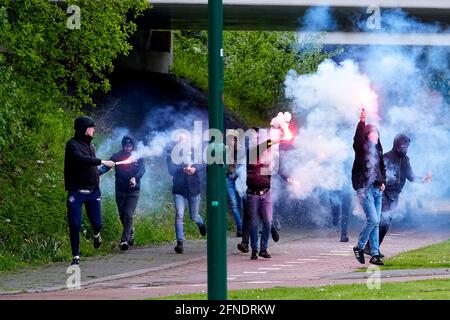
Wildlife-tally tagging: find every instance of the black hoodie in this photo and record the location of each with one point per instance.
(125, 172)
(80, 162)
(368, 166)
(398, 168)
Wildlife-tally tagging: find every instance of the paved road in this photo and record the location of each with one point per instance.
(310, 259)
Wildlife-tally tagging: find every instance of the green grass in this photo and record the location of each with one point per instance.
(413, 290)
(433, 256)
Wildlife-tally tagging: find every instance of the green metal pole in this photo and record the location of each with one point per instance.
(216, 192)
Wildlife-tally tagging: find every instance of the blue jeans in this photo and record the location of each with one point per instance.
(194, 207)
(75, 201)
(235, 202)
(370, 199)
(259, 207)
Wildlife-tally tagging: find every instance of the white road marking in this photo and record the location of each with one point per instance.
(269, 269)
(282, 265)
(197, 285)
(254, 272)
(262, 282)
(295, 262)
(306, 259)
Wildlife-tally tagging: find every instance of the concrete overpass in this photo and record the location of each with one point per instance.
(284, 14)
(154, 40)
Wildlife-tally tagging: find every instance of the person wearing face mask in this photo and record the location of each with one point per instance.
(368, 180)
(128, 184)
(81, 179)
(398, 169)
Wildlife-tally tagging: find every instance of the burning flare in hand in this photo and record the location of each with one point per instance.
(281, 122)
(130, 160)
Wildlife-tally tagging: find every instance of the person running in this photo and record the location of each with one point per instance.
(128, 184)
(81, 179)
(368, 180)
(398, 170)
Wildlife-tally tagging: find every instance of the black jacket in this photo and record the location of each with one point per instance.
(398, 169)
(80, 164)
(256, 179)
(125, 172)
(184, 184)
(368, 166)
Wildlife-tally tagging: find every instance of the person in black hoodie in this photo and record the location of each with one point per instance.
(369, 180)
(398, 169)
(128, 186)
(186, 186)
(81, 180)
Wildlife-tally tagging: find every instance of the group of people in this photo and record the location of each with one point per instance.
(378, 180)
(82, 170)
(377, 192)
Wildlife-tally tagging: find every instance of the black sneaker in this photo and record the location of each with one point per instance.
(179, 247)
(239, 233)
(97, 241)
(131, 241)
(75, 261)
(124, 246)
(275, 234)
(380, 254)
(359, 255)
(254, 255)
(243, 247)
(377, 260)
(202, 230)
(344, 239)
(264, 254)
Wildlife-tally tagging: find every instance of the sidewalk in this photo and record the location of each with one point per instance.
(133, 262)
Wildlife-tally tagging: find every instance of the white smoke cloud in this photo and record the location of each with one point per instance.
(328, 102)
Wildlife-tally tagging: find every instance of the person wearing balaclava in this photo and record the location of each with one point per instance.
(128, 184)
(368, 180)
(81, 178)
(398, 169)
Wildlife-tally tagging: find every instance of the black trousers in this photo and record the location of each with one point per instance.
(75, 202)
(341, 206)
(127, 203)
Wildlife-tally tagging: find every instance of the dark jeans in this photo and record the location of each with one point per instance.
(245, 222)
(127, 203)
(235, 202)
(75, 201)
(341, 206)
(259, 207)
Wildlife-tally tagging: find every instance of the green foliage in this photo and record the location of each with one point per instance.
(47, 72)
(256, 64)
(72, 62)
